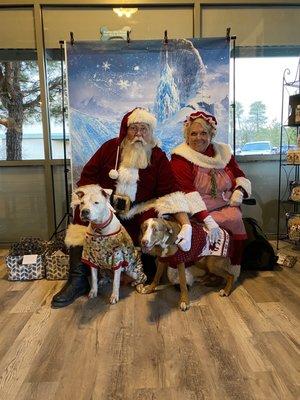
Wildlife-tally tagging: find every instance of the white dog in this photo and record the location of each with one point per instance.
(107, 244)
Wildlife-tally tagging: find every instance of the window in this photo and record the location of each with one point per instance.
(258, 101)
(268, 42)
(55, 105)
(21, 135)
(22, 183)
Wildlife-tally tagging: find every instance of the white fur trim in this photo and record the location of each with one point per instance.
(234, 270)
(75, 235)
(168, 204)
(139, 209)
(113, 174)
(172, 203)
(222, 156)
(127, 182)
(195, 202)
(142, 115)
(244, 183)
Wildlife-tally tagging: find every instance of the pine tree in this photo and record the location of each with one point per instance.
(20, 100)
(257, 115)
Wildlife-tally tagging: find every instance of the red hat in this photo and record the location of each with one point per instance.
(210, 119)
(137, 115)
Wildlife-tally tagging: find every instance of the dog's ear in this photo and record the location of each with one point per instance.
(76, 197)
(106, 192)
(168, 226)
(79, 193)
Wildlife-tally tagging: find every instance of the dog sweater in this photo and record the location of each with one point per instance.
(113, 252)
(200, 247)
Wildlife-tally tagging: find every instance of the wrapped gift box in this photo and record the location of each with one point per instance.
(26, 259)
(57, 259)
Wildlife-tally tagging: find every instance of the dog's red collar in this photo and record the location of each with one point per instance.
(98, 227)
(97, 234)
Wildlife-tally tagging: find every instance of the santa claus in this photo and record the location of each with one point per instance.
(143, 185)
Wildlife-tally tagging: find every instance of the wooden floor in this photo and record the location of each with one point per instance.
(242, 347)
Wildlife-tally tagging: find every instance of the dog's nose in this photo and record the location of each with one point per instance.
(144, 242)
(85, 212)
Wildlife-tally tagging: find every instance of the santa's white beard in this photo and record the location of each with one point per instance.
(136, 154)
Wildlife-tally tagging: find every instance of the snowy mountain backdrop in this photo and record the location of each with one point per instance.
(108, 79)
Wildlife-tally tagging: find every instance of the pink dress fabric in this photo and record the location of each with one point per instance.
(194, 172)
(229, 218)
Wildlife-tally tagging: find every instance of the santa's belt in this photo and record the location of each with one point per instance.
(121, 203)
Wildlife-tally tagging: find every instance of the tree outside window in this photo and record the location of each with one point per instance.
(20, 102)
(258, 105)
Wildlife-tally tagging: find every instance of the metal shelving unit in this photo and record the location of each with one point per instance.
(288, 172)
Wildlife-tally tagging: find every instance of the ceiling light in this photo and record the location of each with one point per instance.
(125, 12)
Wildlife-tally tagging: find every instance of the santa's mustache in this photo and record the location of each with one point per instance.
(139, 140)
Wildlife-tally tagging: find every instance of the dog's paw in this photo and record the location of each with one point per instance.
(93, 293)
(114, 298)
(223, 293)
(147, 289)
(139, 288)
(184, 306)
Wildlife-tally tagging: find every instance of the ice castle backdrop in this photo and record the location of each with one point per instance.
(108, 79)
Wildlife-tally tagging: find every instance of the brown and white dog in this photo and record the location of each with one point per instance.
(106, 245)
(158, 239)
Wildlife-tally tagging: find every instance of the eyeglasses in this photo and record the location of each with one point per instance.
(203, 134)
(136, 128)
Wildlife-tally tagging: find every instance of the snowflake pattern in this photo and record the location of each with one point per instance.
(124, 84)
(106, 65)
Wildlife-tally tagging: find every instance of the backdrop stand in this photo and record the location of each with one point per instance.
(66, 217)
(232, 39)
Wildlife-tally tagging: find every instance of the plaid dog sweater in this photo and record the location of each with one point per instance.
(200, 247)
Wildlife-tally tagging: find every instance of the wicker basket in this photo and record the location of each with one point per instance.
(57, 266)
(293, 226)
(57, 260)
(295, 191)
(17, 269)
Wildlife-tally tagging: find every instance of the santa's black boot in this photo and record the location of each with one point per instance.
(77, 284)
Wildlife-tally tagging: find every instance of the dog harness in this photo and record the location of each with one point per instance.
(200, 247)
(113, 252)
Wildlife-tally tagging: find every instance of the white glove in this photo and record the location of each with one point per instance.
(184, 237)
(236, 198)
(214, 231)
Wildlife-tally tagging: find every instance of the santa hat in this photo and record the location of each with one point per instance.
(210, 119)
(137, 115)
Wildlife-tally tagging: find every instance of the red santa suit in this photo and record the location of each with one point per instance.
(153, 191)
(209, 179)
